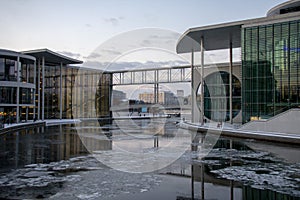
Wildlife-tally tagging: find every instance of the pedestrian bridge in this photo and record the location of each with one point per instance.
(151, 76)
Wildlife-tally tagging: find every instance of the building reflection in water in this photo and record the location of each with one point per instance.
(44, 145)
(200, 175)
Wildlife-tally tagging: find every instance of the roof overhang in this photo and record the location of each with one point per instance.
(52, 57)
(215, 37)
(286, 7)
(15, 55)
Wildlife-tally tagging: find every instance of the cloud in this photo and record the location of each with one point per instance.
(70, 54)
(110, 51)
(169, 36)
(94, 55)
(169, 39)
(146, 42)
(115, 21)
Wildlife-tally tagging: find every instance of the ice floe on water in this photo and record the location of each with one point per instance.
(86, 178)
(259, 170)
(81, 177)
(107, 184)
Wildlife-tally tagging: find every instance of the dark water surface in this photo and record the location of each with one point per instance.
(55, 162)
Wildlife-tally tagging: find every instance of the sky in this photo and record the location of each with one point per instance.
(77, 27)
(119, 34)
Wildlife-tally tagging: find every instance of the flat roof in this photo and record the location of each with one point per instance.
(23, 58)
(52, 57)
(288, 6)
(214, 36)
(218, 36)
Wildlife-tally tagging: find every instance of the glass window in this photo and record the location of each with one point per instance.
(26, 95)
(216, 96)
(271, 76)
(8, 95)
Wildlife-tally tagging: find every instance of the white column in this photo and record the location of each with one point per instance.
(193, 92)
(230, 82)
(43, 88)
(202, 80)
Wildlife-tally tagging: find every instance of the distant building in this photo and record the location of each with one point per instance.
(180, 93)
(118, 97)
(164, 98)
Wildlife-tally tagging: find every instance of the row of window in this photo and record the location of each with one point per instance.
(8, 95)
(10, 71)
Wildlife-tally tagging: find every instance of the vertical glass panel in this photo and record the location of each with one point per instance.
(2, 69)
(274, 76)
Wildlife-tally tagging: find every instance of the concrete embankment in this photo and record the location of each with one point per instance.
(31, 124)
(246, 134)
(16, 127)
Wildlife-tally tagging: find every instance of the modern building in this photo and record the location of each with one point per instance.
(17, 86)
(265, 83)
(42, 84)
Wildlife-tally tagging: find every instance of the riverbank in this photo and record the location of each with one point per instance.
(54, 122)
(20, 126)
(32, 124)
(234, 131)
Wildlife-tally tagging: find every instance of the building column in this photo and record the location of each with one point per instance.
(43, 88)
(156, 88)
(156, 93)
(230, 81)
(193, 92)
(202, 79)
(60, 93)
(27, 81)
(39, 90)
(34, 82)
(18, 91)
(110, 93)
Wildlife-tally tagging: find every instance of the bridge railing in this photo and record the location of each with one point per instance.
(152, 76)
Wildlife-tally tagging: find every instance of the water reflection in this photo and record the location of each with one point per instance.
(228, 154)
(137, 146)
(234, 169)
(40, 145)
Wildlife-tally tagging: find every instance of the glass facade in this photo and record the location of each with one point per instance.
(270, 67)
(16, 86)
(71, 92)
(91, 98)
(8, 95)
(52, 89)
(216, 96)
(8, 69)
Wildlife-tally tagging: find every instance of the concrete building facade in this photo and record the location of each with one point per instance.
(266, 80)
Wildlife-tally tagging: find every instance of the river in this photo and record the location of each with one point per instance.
(143, 159)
